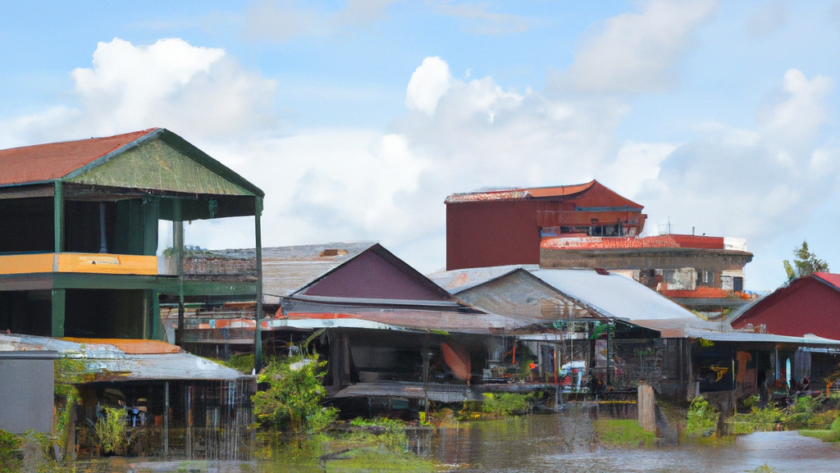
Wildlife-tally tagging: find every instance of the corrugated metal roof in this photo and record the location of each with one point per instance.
(612, 295)
(51, 161)
(459, 280)
(289, 268)
(721, 331)
(512, 291)
(109, 363)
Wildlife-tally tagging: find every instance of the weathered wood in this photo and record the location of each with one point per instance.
(646, 408)
(258, 313)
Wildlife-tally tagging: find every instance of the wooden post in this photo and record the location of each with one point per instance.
(258, 207)
(646, 408)
(178, 246)
(58, 216)
(609, 352)
(166, 419)
(57, 316)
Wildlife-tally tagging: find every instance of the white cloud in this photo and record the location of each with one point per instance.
(637, 52)
(758, 183)
(427, 85)
(197, 91)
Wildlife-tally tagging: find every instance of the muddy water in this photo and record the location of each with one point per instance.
(565, 442)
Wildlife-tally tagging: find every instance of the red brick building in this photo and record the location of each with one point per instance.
(591, 226)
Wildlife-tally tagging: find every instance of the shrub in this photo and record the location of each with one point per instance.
(244, 363)
(702, 418)
(293, 398)
(111, 431)
(9, 451)
(506, 403)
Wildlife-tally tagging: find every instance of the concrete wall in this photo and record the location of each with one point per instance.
(26, 394)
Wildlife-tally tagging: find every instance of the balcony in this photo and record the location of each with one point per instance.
(88, 263)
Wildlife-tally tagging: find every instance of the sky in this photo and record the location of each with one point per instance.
(357, 118)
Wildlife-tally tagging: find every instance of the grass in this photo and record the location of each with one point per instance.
(824, 435)
(623, 433)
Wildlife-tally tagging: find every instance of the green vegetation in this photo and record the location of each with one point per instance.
(765, 468)
(293, 400)
(111, 431)
(805, 263)
(244, 363)
(623, 433)
(830, 435)
(806, 412)
(9, 456)
(702, 419)
(505, 404)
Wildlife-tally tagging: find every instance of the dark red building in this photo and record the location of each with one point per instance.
(809, 305)
(504, 227)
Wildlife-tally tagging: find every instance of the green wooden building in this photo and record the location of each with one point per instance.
(79, 252)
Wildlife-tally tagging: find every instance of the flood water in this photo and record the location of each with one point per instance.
(565, 442)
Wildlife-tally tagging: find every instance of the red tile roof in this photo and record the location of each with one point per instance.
(51, 161)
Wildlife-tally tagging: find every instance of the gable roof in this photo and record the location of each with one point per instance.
(514, 291)
(375, 273)
(287, 269)
(459, 280)
(786, 290)
(51, 161)
(592, 194)
(69, 159)
(613, 294)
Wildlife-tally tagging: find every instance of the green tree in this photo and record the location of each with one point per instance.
(805, 263)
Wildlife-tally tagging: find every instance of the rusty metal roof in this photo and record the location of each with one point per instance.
(51, 161)
(109, 362)
(289, 268)
(459, 280)
(591, 194)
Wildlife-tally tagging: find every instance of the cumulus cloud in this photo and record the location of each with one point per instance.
(427, 85)
(197, 91)
(767, 20)
(637, 52)
(283, 20)
(753, 183)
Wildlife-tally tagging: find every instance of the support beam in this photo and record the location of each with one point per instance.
(258, 207)
(58, 216)
(157, 328)
(57, 319)
(178, 246)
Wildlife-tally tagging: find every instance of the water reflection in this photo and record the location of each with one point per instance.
(563, 442)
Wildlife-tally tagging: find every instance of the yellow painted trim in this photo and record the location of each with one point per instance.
(23, 264)
(103, 263)
(95, 263)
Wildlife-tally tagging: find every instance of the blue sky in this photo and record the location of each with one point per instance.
(359, 117)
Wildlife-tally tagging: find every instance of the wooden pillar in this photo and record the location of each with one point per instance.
(57, 317)
(58, 216)
(178, 246)
(166, 419)
(157, 328)
(646, 408)
(258, 314)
